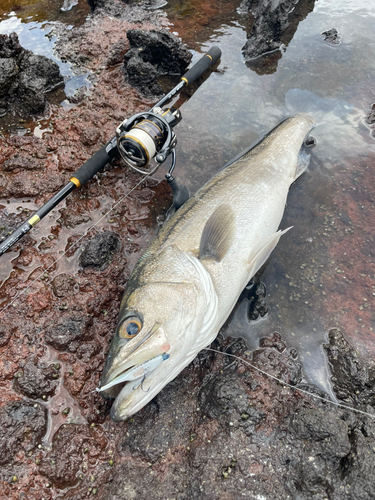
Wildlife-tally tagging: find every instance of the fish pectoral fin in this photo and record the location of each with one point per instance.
(255, 263)
(217, 234)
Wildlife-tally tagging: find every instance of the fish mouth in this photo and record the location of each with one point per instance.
(135, 373)
(134, 362)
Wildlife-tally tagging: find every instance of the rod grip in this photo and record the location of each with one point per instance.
(91, 167)
(202, 65)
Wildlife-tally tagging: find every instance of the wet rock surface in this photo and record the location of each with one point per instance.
(25, 78)
(242, 435)
(67, 333)
(153, 54)
(100, 249)
(22, 426)
(257, 302)
(37, 381)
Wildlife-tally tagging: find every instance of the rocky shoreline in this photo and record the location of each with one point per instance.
(222, 430)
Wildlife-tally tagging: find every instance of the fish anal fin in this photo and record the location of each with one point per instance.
(217, 234)
(255, 263)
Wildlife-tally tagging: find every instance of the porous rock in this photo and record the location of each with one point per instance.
(353, 378)
(63, 285)
(36, 381)
(68, 333)
(68, 455)
(22, 426)
(24, 78)
(99, 250)
(257, 302)
(152, 54)
(5, 334)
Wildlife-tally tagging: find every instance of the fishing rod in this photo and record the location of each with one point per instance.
(138, 140)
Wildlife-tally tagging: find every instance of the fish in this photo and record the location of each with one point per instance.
(187, 282)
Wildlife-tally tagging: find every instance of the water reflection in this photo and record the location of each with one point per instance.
(273, 28)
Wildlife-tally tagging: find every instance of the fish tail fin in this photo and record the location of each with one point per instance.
(321, 110)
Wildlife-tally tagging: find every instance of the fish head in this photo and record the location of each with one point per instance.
(159, 318)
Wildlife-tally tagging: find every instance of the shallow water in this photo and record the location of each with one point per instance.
(321, 275)
(34, 21)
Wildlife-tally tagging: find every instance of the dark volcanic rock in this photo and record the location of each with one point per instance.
(70, 449)
(332, 37)
(68, 333)
(24, 78)
(22, 426)
(98, 252)
(35, 381)
(370, 118)
(274, 25)
(257, 302)
(153, 54)
(353, 379)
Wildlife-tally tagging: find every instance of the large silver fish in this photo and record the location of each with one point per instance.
(185, 285)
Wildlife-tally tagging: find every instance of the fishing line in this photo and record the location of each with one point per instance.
(292, 386)
(74, 244)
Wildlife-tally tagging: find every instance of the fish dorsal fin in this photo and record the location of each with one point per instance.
(217, 234)
(256, 262)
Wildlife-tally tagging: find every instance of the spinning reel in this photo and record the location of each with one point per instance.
(146, 136)
(139, 139)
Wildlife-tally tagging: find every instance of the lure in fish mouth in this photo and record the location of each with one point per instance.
(185, 285)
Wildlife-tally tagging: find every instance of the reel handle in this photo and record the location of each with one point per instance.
(202, 65)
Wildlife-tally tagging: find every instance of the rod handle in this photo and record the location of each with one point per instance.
(91, 167)
(202, 65)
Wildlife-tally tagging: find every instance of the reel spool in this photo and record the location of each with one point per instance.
(146, 136)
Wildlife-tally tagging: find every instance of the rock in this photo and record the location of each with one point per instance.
(324, 428)
(63, 285)
(370, 118)
(8, 223)
(22, 426)
(8, 73)
(353, 378)
(21, 163)
(25, 78)
(143, 76)
(72, 219)
(257, 302)
(151, 55)
(37, 381)
(6, 332)
(274, 25)
(332, 37)
(68, 333)
(68, 455)
(99, 250)
(117, 52)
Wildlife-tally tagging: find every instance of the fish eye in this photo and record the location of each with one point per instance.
(130, 328)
